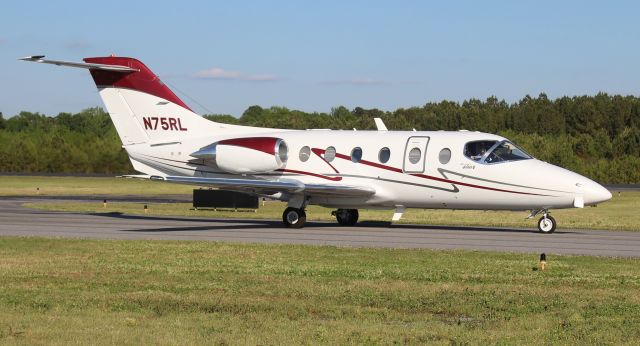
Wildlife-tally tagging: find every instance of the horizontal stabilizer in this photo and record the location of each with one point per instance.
(115, 68)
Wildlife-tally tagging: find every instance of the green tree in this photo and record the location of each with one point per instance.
(222, 118)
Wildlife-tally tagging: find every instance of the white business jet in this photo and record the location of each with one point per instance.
(345, 170)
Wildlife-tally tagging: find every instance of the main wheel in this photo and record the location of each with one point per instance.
(347, 217)
(547, 224)
(294, 217)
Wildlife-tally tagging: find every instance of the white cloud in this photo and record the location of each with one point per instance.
(356, 81)
(217, 73)
(222, 74)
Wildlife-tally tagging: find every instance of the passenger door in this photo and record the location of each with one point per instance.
(414, 154)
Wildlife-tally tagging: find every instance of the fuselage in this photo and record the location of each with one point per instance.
(431, 179)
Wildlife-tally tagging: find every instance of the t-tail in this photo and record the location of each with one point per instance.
(142, 108)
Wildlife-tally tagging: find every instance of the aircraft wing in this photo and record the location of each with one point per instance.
(271, 187)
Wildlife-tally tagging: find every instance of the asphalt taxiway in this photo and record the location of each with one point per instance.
(16, 220)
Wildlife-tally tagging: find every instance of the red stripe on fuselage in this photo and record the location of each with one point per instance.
(320, 152)
(471, 185)
(378, 165)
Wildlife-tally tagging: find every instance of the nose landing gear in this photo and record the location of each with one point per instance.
(546, 224)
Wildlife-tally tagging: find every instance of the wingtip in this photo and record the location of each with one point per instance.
(32, 58)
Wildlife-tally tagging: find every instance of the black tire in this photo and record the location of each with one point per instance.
(347, 217)
(547, 226)
(294, 217)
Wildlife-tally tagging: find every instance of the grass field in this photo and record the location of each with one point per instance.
(52, 186)
(621, 213)
(62, 291)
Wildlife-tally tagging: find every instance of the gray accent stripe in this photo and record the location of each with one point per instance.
(441, 170)
(454, 190)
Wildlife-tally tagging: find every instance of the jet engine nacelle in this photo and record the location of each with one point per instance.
(246, 155)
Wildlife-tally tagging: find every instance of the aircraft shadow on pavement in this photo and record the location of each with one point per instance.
(240, 224)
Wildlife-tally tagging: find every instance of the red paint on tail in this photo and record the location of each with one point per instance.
(143, 80)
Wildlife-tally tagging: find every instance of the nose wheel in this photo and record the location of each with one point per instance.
(547, 224)
(294, 217)
(346, 217)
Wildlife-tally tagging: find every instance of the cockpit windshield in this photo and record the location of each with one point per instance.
(476, 150)
(494, 152)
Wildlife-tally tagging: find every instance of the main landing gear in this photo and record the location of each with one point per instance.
(294, 217)
(546, 224)
(346, 217)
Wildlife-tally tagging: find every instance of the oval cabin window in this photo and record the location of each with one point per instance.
(444, 156)
(305, 153)
(330, 154)
(356, 154)
(384, 155)
(414, 155)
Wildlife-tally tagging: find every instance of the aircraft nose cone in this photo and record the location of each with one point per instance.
(595, 193)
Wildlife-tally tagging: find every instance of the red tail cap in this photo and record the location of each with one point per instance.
(144, 80)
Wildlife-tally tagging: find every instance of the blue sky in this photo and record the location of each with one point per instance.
(314, 55)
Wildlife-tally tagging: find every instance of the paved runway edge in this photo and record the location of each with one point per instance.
(16, 220)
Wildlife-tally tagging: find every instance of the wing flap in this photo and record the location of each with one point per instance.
(244, 184)
(273, 186)
(338, 190)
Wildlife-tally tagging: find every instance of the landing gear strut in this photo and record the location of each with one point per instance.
(346, 217)
(294, 217)
(546, 224)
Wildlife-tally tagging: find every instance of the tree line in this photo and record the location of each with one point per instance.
(597, 136)
(85, 142)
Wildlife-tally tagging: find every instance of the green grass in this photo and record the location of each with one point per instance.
(64, 291)
(52, 186)
(620, 213)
